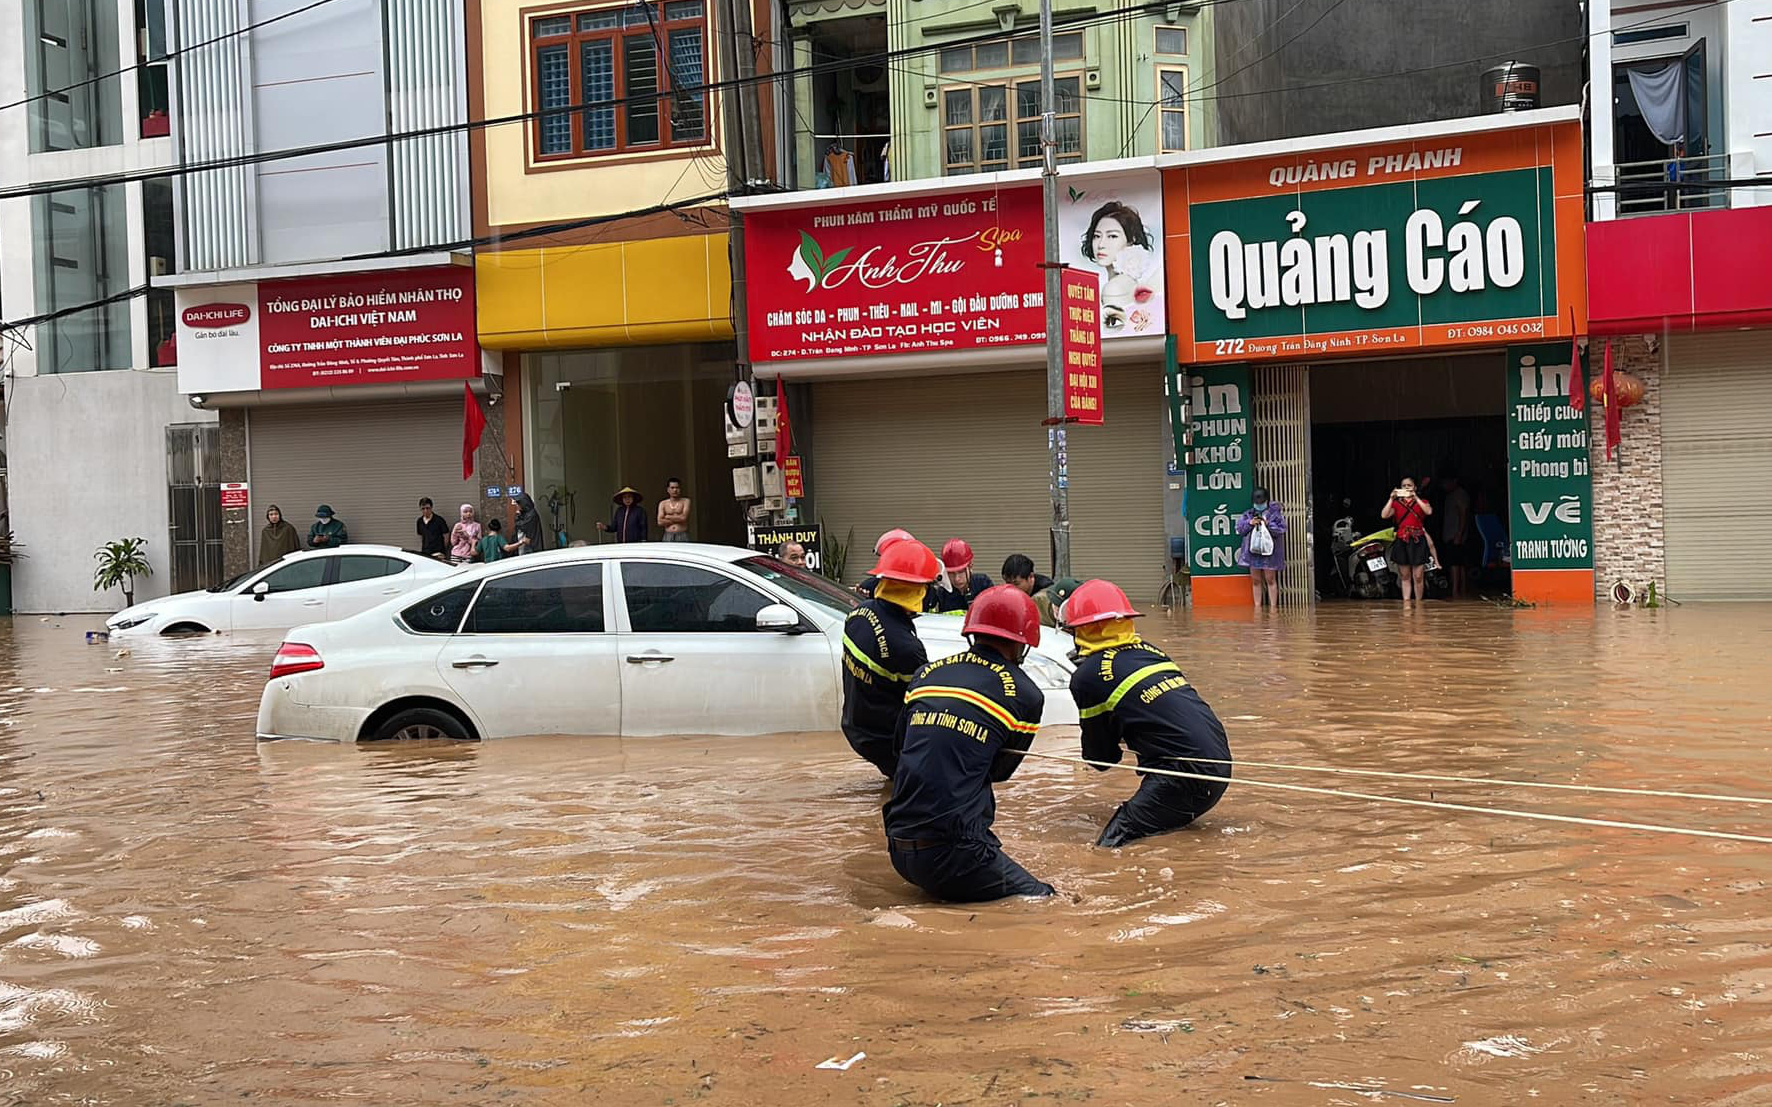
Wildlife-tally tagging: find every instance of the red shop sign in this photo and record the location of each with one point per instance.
(957, 271)
(388, 327)
(1080, 346)
(793, 477)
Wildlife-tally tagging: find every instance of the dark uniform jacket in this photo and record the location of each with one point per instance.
(944, 599)
(881, 653)
(961, 715)
(1136, 695)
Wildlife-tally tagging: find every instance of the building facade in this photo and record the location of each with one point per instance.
(1682, 224)
(93, 416)
(324, 299)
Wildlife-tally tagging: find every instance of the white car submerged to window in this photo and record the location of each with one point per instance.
(631, 640)
(304, 587)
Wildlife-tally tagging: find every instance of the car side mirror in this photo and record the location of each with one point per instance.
(778, 617)
(259, 590)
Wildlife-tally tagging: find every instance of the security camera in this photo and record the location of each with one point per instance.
(198, 399)
(562, 386)
(492, 398)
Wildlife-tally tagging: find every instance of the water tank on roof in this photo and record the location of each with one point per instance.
(1510, 86)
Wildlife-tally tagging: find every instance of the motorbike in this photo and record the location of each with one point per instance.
(1362, 561)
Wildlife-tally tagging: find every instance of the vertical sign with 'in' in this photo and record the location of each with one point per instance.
(1080, 347)
(1550, 524)
(1220, 468)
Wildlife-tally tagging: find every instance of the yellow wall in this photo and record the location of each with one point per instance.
(605, 294)
(514, 196)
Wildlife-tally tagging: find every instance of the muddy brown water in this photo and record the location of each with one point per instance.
(189, 917)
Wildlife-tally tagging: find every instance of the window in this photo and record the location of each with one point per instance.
(161, 247)
(354, 567)
(439, 614)
(1172, 40)
(977, 121)
(69, 44)
(567, 599)
(82, 258)
(668, 598)
(310, 572)
(1002, 53)
(153, 97)
(639, 71)
(1172, 113)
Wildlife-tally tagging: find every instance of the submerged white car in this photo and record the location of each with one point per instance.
(303, 587)
(625, 640)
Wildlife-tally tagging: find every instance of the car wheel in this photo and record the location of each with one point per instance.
(420, 723)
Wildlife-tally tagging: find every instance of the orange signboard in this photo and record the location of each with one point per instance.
(1460, 240)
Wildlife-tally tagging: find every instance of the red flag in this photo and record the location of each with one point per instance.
(473, 423)
(1609, 394)
(1577, 383)
(784, 437)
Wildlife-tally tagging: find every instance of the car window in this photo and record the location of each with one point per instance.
(440, 614)
(664, 597)
(804, 585)
(307, 573)
(363, 567)
(565, 599)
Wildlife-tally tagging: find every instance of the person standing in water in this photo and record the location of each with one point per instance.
(328, 530)
(627, 519)
(1264, 518)
(526, 526)
(1409, 553)
(278, 538)
(881, 651)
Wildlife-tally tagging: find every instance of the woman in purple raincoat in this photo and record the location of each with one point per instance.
(1264, 569)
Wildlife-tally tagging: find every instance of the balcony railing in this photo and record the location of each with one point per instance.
(1673, 184)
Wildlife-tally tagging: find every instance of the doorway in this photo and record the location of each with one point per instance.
(1437, 419)
(193, 491)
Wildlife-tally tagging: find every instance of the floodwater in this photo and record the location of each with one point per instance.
(189, 917)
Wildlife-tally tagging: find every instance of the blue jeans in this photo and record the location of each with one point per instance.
(965, 872)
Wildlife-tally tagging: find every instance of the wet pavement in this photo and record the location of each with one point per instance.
(189, 917)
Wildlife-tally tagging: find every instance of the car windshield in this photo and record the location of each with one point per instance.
(234, 582)
(803, 585)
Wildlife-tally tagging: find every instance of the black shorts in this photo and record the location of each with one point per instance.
(1410, 553)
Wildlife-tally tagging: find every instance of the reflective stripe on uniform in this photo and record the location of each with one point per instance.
(977, 699)
(1126, 686)
(855, 652)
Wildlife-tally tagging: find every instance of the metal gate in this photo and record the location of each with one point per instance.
(1283, 467)
(193, 489)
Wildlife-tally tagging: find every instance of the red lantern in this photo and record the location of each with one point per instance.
(1630, 389)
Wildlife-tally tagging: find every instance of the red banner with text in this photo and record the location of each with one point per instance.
(957, 271)
(372, 328)
(1080, 347)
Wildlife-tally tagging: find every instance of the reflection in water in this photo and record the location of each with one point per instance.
(186, 916)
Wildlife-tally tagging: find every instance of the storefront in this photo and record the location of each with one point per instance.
(1684, 299)
(910, 320)
(343, 389)
(1353, 309)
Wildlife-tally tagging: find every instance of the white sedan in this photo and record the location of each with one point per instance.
(622, 640)
(297, 588)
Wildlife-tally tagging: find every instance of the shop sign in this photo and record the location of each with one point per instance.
(234, 494)
(389, 327)
(1550, 524)
(1220, 467)
(769, 539)
(1080, 348)
(1465, 240)
(951, 271)
(793, 477)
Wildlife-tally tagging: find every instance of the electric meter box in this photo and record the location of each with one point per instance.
(745, 484)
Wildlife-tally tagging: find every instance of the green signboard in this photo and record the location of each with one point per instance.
(1351, 264)
(1220, 467)
(1550, 488)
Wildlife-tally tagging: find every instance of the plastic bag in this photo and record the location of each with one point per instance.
(1261, 543)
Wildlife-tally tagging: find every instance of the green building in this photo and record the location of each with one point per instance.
(910, 89)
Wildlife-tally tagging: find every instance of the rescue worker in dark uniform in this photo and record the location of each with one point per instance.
(1131, 692)
(881, 651)
(866, 587)
(963, 585)
(967, 720)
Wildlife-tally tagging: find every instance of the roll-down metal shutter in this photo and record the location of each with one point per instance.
(370, 462)
(1716, 444)
(965, 457)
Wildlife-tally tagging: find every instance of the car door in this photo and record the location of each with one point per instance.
(364, 580)
(295, 594)
(534, 655)
(694, 662)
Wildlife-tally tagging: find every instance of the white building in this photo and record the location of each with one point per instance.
(90, 399)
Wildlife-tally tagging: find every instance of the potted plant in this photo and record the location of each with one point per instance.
(10, 551)
(119, 563)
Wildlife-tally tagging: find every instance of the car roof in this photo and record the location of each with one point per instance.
(651, 551)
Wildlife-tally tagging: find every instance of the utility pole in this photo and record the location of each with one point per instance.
(1058, 475)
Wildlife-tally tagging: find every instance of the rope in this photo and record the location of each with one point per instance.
(1542, 816)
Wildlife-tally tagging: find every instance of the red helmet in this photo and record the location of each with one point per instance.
(956, 555)
(1004, 611)
(1097, 601)
(891, 536)
(909, 561)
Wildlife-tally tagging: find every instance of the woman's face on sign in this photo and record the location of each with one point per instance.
(1109, 239)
